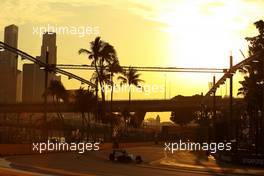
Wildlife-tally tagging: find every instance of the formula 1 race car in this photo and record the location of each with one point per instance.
(123, 157)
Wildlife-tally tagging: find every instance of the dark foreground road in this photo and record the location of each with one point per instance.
(156, 162)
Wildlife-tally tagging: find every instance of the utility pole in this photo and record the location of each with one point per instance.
(214, 110)
(45, 129)
(230, 101)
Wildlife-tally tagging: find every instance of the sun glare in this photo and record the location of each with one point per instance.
(203, 35)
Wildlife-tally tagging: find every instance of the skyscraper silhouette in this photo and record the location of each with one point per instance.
(8, 67)
(34, 77)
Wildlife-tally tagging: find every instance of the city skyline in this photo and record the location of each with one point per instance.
(215, 35)
(132, 87)
(162, 45)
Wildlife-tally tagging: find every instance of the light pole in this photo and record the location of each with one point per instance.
(214, 110)
(231, 100)
(45, 129)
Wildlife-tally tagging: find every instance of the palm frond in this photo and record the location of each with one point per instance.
(122, 79)
(84, 51)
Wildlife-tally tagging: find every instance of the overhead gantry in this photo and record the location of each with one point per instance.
(50, 68)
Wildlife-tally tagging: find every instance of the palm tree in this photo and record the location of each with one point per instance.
(105, 76)
(130, 77)
(84, 101)
(101, 54)
(59, 94)
(113, 69)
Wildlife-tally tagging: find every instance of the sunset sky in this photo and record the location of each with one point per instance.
(180, 33)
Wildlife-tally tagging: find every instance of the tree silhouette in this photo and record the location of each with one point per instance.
(102, 55)
(85, 100)
(113, 69)
(182, 116)
(253, 85)
(59, 94)
(130, 77)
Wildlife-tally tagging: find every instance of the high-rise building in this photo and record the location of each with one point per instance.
(8, 67)
(34, 77)
(29, 82)
(49, 43)
(19, 86)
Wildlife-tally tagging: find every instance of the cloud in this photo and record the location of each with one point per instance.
(28, 11)
(55, 11)
(165, 12)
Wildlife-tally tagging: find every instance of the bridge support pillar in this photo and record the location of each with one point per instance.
(140, 115)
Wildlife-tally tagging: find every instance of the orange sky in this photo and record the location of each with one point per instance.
(180, 33)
